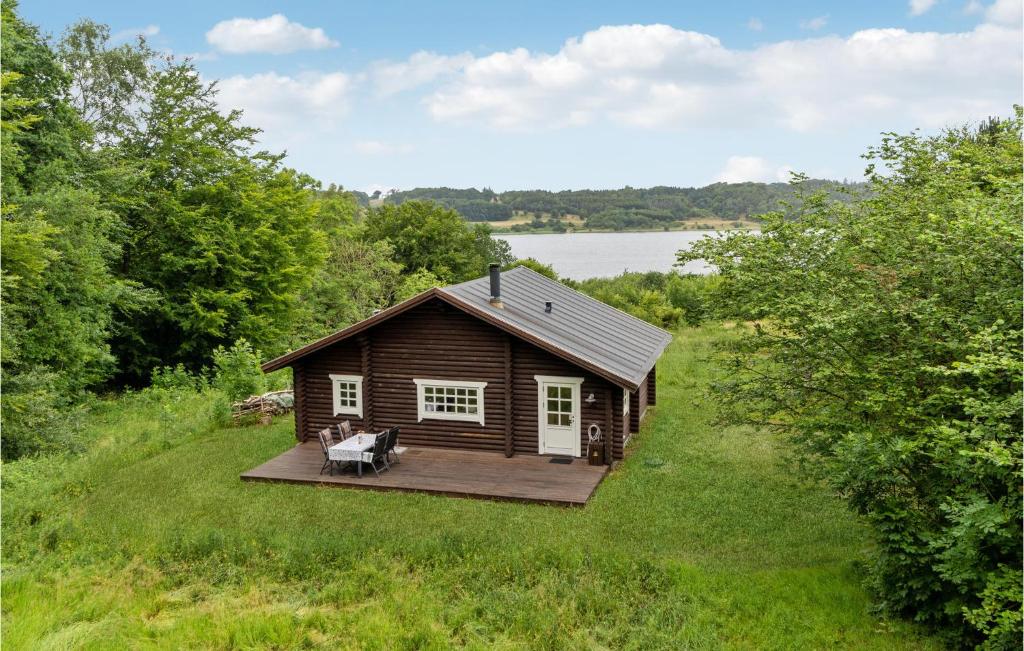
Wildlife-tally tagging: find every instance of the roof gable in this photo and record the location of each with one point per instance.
(580, 329)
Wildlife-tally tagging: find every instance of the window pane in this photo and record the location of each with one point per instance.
(552, 405)
(552, 419)
(564, 420)
(567, 406)
(552, 392)
(566, 393)
(471, 410)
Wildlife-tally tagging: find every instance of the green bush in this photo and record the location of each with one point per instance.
(662, 299)
(535, 265)
(176, 378)
(888, 348)
(237, 371)
(36, 418)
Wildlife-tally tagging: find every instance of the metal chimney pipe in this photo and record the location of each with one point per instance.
(495, 271)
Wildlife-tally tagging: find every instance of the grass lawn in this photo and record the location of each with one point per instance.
(150, 540)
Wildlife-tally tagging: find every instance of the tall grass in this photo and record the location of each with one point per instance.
(151, 540)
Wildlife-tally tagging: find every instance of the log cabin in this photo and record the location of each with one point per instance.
(514, 363)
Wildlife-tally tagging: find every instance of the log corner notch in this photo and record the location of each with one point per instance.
(509, 447)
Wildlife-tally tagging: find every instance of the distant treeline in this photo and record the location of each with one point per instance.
(624, 208)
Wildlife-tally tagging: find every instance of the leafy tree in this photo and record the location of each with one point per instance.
(626, 208)
(59, 241)
(427, 236)
(536, 265)
(221, 232)
(356, 279)
(109, 85)
(887, 347)
(416, 283)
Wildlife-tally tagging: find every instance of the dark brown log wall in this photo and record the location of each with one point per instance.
(652, 386)
(437, 341)
(638, 407)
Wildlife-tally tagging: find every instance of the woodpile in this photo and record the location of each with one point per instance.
(262, 407)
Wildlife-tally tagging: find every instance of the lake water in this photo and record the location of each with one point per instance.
(594, 255)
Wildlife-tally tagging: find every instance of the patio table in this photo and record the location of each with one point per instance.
(354, 448)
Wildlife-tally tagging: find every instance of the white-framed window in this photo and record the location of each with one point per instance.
(348, 394)
(450, 400)
(625, 402)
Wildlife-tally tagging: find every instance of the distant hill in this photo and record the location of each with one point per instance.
(627, 208)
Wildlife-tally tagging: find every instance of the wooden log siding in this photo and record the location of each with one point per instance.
(652, 386)
(299, 386)
(437, 341)
(637, 407)
(609, 413)
(366, 364)
(509, 441)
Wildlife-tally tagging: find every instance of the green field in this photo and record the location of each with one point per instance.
(149, 540)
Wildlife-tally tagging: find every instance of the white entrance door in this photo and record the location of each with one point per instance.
(558, 401)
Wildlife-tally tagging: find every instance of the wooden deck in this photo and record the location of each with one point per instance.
(460, 473)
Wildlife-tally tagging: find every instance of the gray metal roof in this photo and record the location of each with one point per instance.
(582, 327)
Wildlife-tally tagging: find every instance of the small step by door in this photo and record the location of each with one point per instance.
(558, 401)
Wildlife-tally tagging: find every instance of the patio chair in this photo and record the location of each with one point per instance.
(326, 441)
(344, 429)
(378, 453)
(389, 449)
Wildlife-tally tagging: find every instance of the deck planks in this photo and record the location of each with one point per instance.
(460, 473)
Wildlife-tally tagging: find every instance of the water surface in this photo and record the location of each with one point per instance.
(595, 255)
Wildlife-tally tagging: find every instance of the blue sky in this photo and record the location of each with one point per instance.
(562, 95)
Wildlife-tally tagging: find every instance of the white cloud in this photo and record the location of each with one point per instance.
(1004, 12)
(740, 169)
(755, 25)
(656, 76)
(283, 105)
(129, 34)
(378, 148)
(274, 34)
(919, 7)
(419, 69)
(814, 24)
(973, 7)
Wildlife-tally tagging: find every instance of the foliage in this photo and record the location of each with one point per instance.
(223, 234)
(236, 371)
(59, 242)
(109, 84)
(416, 283)
(428, 236)
(149, 539)
(176, 378)
(664, 300)
(888, 349)
(626, 208)
(536, 265)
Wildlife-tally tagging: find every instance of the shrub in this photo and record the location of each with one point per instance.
(237, 371)
(36, 418)
(176, 378)
(536, 265)
(889, 352)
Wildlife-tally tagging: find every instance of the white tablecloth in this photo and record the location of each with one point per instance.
(354, 448)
